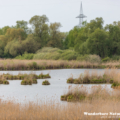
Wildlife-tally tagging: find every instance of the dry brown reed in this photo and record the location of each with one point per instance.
(12, 64)
(95, 77)
(105, 103)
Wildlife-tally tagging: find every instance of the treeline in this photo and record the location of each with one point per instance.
(19, 39)
(94, 38)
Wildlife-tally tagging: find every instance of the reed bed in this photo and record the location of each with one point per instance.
(23, 76)
(102, 102)
(13, 64)
(110, 76)
(3, 80)
(94, 77)
(81, 93)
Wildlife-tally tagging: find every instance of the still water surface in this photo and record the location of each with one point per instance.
(36, 92)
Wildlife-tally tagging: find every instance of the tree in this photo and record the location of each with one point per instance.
(114, 37)
(13, 48)
(30, 45)
(98, 43)
(56, 36)
(4, 30)
(23, 25)
(72, 36)
(13, 33)
(80, 40)
(94, 24)
(40, 28)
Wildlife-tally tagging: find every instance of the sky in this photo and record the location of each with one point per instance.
(63, 11)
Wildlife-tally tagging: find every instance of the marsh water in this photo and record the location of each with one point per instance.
(38, 91)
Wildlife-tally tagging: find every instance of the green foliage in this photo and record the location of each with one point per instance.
(40, 28)
(13, 48)
(115, 57)
(55, 54)
(97, 43)
(27, 56)
(49, 43)
(23, 25)
(105, 59)
(56, 37)
(47, 49)
(89, 58)
(69, 55)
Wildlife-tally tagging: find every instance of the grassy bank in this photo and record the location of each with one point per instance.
(9, 110)
(12, 64)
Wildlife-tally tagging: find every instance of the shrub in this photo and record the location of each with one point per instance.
(47, 49)
(27, 56)
(105, 59)
(115, 57)
(48, 53)
(69, 55)
(89, 58)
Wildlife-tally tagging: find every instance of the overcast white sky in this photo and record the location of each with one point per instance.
(63, 11)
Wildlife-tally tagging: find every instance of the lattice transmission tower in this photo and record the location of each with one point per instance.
(81, 16)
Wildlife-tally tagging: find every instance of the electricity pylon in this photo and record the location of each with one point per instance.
(81, 16)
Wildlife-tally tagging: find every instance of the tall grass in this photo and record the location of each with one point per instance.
(102, 101)
(93, 77)
(80, 93)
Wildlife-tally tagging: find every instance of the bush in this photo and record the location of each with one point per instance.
(105, 59)
(27, 56)
(115, 57)
(89, 58)
(69, 55)
(47, 56)
(47, 49)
